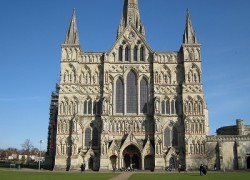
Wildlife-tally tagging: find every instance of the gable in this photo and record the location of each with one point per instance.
(131, 39)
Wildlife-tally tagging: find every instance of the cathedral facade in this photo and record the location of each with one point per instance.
(129, 106)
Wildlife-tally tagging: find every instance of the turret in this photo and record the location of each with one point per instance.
(189, 36)
(72, 33)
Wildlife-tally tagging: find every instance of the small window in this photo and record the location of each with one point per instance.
(142, 54)
(135, 53)
(120, 54)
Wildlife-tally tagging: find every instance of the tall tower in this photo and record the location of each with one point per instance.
(194, 104)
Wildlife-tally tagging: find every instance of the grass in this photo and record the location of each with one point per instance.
(21, 175)
(192, 176)
(9, 174)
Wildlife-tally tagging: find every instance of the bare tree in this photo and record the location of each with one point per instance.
(27, 146)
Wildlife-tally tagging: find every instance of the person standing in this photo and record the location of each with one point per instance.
(82, 167)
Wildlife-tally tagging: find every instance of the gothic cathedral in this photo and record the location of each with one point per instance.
(129, 106)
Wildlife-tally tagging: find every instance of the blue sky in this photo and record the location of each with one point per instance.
(33, 30)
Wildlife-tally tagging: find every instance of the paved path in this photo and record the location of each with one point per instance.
(123, 176)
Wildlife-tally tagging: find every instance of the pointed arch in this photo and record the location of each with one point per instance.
(131, 92)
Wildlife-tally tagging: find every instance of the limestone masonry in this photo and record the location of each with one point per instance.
(133, 106)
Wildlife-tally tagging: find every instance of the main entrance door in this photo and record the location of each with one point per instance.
(132, 156)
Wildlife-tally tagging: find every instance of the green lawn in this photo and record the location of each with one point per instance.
(7, 174)
(21, 175)
(191, 176)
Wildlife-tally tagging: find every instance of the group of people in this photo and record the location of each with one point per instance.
(123, 169)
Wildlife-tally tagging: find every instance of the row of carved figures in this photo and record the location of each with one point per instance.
(194, 127)
(66, 149)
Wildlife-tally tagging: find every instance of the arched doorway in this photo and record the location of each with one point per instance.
(149, 162)
(248, 162)
(132, 156)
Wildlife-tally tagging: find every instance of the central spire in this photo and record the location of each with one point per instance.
(131, 12)
(131, 16)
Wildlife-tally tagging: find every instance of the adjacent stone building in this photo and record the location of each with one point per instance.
(130, 105)
(230, 149)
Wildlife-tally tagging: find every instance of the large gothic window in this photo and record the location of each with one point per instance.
(95, 137)
(167, 137)
(87, 137)
(143, 95)
(131, 93)
(119, 96)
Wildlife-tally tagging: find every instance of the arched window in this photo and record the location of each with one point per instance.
(177, 111)
(135, 53)
(142, 54)
(127, 54)
(173, 107)
(88, 137)
(95, 137)
(85, 111)
(90, 107)
(143, 95)
(119, 96)
(96, 109)
(167, 107)
(163, 107)
(200, 109)
(167, 137)
(131, 93)
(120, 54)
(174, 137)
